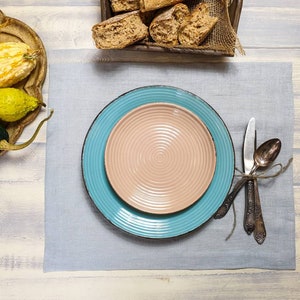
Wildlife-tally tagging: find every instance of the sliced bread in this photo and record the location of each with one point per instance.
(124, 5)
(164, 27)
(148, 5)
(197, 26)
(119, 31)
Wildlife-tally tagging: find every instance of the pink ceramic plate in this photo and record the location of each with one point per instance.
(160, 158)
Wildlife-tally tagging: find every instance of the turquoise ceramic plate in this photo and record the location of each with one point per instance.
(126, 217)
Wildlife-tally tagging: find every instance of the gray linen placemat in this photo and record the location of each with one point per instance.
(77, 235)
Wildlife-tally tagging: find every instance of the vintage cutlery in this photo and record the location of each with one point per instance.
(259, 227)
(264, 156)
(260, 230)
(248, 159)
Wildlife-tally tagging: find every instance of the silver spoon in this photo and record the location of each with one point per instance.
(259, 228)
(259, 224)
(263, 156)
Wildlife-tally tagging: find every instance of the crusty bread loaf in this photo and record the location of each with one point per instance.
(147, 5)
(197, 26)
(124, 5)
(119, 31)
(164, 27)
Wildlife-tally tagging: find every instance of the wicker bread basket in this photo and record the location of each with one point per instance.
(223, 40)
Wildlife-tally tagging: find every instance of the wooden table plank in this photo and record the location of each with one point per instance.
(276, 28)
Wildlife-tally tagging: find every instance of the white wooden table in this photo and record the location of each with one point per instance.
(269, 31)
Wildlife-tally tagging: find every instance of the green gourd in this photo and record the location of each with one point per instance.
(3, 134)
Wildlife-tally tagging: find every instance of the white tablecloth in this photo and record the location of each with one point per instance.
(77, 235)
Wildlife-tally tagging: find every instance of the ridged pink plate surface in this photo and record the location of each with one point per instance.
(160, 158)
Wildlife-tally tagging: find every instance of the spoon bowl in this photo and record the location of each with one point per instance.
(266, 153)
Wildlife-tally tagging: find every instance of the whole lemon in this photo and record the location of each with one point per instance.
(16, 104)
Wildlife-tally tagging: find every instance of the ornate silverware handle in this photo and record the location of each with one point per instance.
(249, 219)
(223, 209)
(260, 229)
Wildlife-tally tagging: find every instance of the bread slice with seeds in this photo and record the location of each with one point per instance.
(197, 26)
(164, 27)
(148, 5)
(124, 5)
(119, 31)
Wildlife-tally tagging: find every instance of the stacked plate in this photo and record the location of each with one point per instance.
(158, 161)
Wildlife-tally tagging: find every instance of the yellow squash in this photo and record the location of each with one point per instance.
(17, 60)
(16, 104)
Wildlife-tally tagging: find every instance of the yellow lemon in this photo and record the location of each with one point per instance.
(16, 104)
